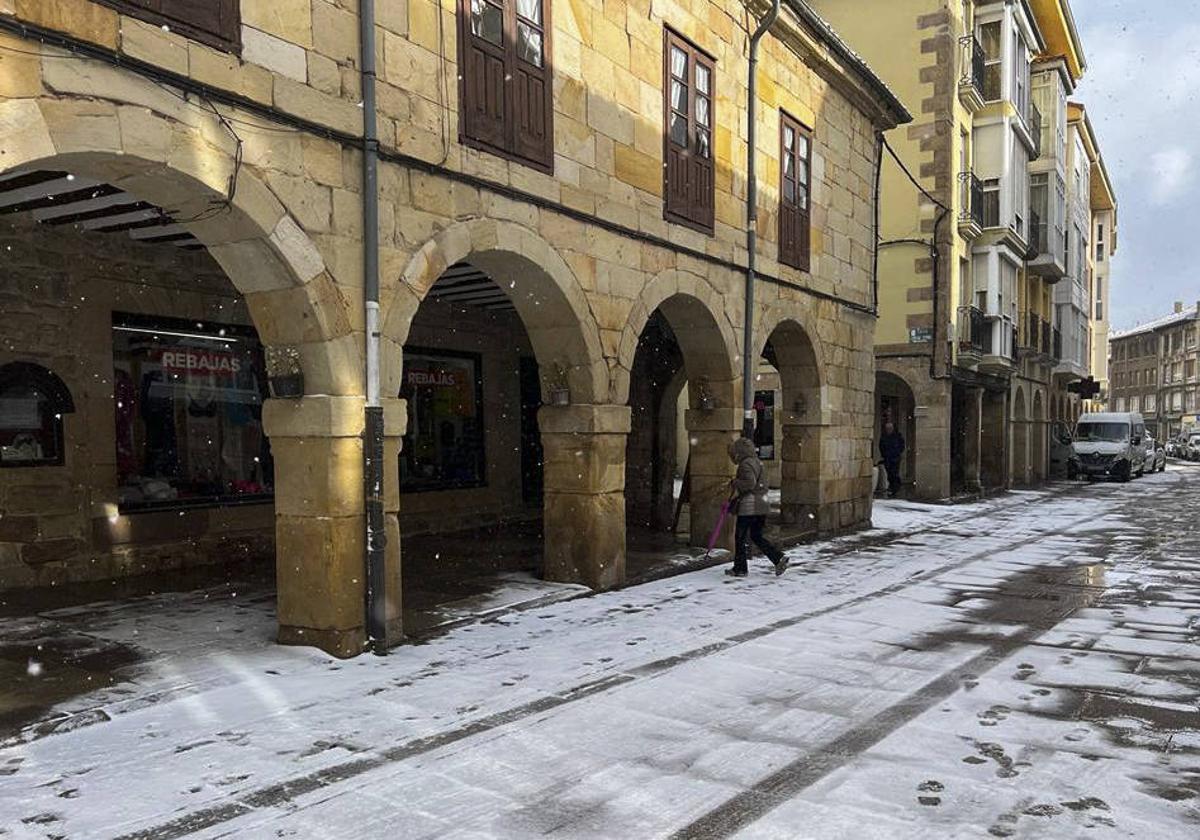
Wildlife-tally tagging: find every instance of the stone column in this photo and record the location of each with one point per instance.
(801, 490)
(320, 524)
(710, 432)
(930, 444)
(584, 491)
(972, 426)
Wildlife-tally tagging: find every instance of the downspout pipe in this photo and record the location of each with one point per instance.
(875, 233)
(749, 361)
(376, 538)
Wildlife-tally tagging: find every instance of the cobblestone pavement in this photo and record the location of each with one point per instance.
(1025, 666)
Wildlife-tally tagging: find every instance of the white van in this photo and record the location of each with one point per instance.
(1110, 445)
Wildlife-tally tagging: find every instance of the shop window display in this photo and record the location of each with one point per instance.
(443, 447)
(188, 400)
(32, 404)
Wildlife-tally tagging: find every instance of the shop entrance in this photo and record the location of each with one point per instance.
(133, 457)
(471, 463)
(149, 459)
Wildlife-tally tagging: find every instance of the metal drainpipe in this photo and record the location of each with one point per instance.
(748, 359)
(376, 542)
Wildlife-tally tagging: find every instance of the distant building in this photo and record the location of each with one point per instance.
(1155, 369)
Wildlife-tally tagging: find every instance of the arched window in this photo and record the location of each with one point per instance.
(32, 404)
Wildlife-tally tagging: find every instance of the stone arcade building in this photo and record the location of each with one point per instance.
(181, 190)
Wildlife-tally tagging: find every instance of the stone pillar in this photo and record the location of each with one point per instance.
(801, 489)
(584, 492)
(320, 524)
(710, 432)
(972, 426)
(930, 444)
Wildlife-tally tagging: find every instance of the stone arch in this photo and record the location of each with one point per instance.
(894, 384)
(790, 346)
(181, 159)
(1020, 434)
(1038, 430)
(177, 156)
(707, 339)
(707, 342)
(548, 298)
(796, 318)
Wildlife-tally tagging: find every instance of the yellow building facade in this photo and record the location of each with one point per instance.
(973, 230)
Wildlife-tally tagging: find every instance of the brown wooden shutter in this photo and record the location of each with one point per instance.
(689, 81)
(484, 57)
(795, 192)
(506, 89)
(202, 14)
(532, 100)
(214, 22)
(701, 183)
(677, 64)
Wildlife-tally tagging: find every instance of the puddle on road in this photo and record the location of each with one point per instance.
(1040, 597)
(38, 673)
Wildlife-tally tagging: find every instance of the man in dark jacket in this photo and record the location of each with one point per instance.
(749, 487)
(891, 447)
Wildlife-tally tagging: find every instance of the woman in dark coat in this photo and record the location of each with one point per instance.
(750, 489)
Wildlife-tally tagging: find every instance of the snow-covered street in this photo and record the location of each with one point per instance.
(1022, 666)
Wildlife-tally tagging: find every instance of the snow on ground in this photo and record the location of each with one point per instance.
(1023, 665)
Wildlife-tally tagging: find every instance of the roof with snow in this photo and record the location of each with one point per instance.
(1171, 320)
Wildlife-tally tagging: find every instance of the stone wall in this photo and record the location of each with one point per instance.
(584, 252)
(58, 291)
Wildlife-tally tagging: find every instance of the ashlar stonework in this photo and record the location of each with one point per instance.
(583, 253)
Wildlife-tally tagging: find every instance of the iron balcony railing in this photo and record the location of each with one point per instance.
(1039, 335)
(972, 198)
(974, 330)
(1032, 334)
(1056, 352)
(974, 63)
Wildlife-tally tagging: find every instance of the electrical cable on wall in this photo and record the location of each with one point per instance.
(934, 252)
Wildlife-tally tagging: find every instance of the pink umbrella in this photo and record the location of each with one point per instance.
(712, 538)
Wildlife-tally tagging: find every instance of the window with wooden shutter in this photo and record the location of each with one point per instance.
(689, 84)
(795, 192)
(213, 22)
(505, 85)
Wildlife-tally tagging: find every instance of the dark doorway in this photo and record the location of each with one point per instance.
(651, 449)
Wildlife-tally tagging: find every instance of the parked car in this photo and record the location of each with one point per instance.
(1110, 445)
(1192, 450)
(1062, 460)
(1156, 455)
